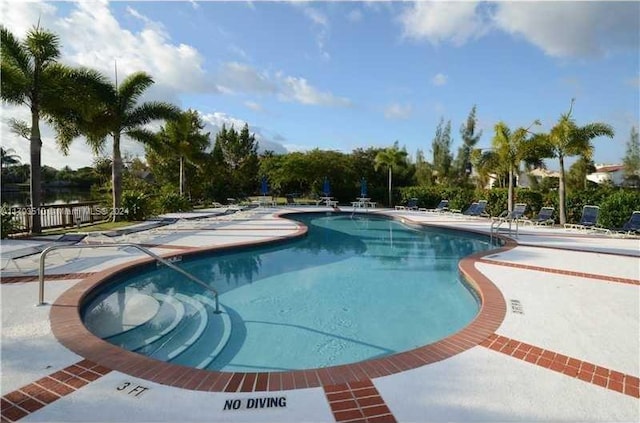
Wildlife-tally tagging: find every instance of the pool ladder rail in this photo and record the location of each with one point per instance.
(507, 217)
(148, 252)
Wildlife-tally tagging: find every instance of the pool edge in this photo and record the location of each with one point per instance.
(67, 326)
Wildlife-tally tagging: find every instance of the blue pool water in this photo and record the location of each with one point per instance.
(354, 288)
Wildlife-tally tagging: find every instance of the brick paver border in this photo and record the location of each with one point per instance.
(44, 391)
(68, 328)
(357, 401)
(572, 367)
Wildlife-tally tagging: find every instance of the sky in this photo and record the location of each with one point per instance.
(346, 75)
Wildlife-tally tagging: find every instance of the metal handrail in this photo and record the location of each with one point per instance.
(499, 221)
(148, 252)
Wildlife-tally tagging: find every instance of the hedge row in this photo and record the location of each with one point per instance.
(616, 204)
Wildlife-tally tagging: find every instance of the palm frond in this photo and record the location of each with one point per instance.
(20, 128)
(15, 85)
(148, 112)
(146, 137)
(132, 88)
(14, 52)
(43, 45)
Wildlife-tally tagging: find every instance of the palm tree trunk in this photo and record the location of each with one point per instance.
(390, 172)
(561, 192)
(35, 179)
(116, 177)
(181, 176)
(510, 194)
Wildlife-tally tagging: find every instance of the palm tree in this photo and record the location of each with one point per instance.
(32, 77)
(391, 157)
(116, 114)
(179, 136)
(8, 158)
(510, 149)
(567, 139)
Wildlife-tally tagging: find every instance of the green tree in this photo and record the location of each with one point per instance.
(441, 146)
(631, 160)
(567, 139)
(509, 149)
(8, 158)
(239, 151)
(577, 175)
(470, 138)
(424, 171)
(117, 113)
(390, 158)
(32, 77)
(181, 137)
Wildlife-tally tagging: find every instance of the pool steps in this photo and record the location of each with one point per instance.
(190, 327)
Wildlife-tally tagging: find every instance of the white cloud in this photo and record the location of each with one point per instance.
(398, 111)
(439, 79)
(355, 15)
(214, 121)
(256, 107)
(299, 90)
(566, 29)
(439, 21)
(559, 28)
(238, 77)
(321, 21)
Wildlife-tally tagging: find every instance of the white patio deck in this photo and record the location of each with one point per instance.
(592, 316)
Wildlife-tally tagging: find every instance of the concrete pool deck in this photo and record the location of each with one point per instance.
(568, 346)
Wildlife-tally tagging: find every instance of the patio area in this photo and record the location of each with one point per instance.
(562, 343)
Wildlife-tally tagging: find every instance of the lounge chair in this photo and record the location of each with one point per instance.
(545, 217)
(412, 204)
(442, 206)
(476, 209)
(631, 226)
(479, 210)
(9, 257)
(587, 221)
(517, 214)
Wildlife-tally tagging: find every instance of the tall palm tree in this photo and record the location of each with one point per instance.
(391, 158)
(117, 113)
(181, 137)
(567, 139)
(511, 148)
(32, 77)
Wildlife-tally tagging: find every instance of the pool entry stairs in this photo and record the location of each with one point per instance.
(188, 330)
(180, 329)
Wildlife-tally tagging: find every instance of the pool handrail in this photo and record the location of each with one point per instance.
(148, 252)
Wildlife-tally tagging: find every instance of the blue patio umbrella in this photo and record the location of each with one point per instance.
(264, 187)
(363, 188)
(326, 187)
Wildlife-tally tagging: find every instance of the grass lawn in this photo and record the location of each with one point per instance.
(102, 226)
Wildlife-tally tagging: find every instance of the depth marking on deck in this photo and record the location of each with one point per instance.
(44, 391)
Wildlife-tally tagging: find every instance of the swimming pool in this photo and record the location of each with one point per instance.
(354, 288)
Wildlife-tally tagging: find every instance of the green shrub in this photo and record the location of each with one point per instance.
(7, 222)
(533, 199)
(171, 202)
(496, 200)
(576, 200)
(136, 205)
(617, 207)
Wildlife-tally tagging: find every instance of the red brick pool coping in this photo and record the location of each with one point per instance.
(68, 328)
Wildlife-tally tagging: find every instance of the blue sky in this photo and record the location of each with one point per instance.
(343, 75)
